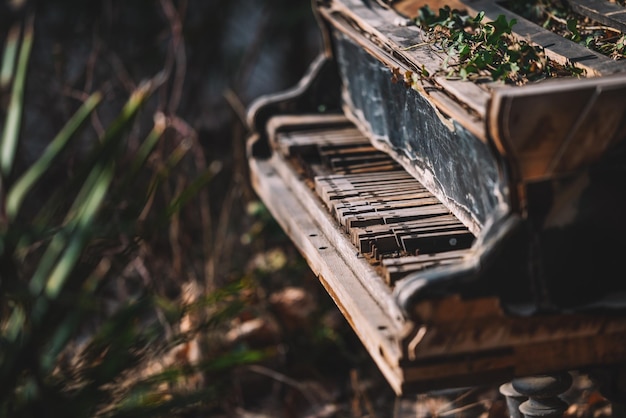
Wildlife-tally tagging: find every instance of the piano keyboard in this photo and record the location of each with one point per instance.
(391, 219)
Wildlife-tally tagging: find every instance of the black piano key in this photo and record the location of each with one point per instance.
(437, 242)
(396, 268)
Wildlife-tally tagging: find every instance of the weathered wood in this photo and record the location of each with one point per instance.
(476, 333)
(557, 48)
(536, 145)
(420, 137)
(410, 8)
(448, 340)
(284, 122)
(516, 166)
(362, 237)
(403, 48)
(317, 92)
(369, 320)
(603, 11)
(315, 210)
(397, 268)
(553, 128)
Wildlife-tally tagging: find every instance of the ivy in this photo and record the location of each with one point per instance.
(478, 49)
(558, 17)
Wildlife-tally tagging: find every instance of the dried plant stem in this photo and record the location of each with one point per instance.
(176, 55)
(360, 394)
(284, 379)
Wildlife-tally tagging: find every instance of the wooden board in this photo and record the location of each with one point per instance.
(400, 48)
(557, 48)
(449, 341)
(605, 12)
(554, 128)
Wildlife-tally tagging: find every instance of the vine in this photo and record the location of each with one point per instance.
(477, 49)
(558, 17)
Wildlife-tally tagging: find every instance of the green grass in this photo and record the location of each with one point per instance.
(61, 349)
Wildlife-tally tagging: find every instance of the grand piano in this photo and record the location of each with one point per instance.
(471, 232)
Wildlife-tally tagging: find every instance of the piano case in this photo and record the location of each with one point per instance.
(470, 233)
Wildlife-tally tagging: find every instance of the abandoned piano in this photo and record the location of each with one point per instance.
(471, 232)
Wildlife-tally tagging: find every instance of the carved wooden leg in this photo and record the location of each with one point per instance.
(543, 395)
(513, 399)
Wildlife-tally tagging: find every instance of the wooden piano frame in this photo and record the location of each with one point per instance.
(485, 319)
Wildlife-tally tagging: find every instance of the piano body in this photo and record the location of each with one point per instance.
(471, 233)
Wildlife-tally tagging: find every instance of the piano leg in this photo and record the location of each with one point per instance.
(537, 396)
(513, 399)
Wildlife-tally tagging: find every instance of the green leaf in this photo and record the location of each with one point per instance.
(479, 17)
(500, 26)
(464, 51)
(572, 26)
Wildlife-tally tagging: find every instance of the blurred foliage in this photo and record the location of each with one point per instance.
(131, 245)
(57, 259)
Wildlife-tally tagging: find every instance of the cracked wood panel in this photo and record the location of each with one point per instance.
(455, 165)
(474, 341)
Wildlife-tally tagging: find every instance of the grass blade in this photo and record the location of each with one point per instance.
(85, 217)
(148, 144)
(10, 134)
(163, 173)
(9, 56)
(49, 257)
(111, 140)
(70, 240)
(15, 324)
(190, 191)
(29, 178)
